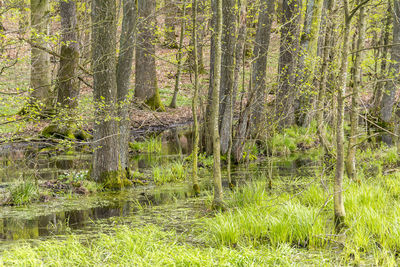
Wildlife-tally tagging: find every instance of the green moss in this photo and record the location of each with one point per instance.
(155, 103)
(115, 180)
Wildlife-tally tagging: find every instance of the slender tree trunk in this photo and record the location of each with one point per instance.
(218, 195)
(170, 37)
(258, 78)
(357, 79)
(195, 152)
(68, 83)
(106, 159)
(146, 88)
(40, 82)
(227, 73)
(389, 94)
(180, 53)
(338, 183)
(287, 62)
(124, 73)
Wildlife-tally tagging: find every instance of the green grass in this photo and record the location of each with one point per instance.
(24, 193)
(173, 172)
(150, 145)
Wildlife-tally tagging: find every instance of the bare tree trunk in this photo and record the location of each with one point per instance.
(180, 63)
(389, 94)
(146, 88)
(106, 159)
(195, 152)
(218, 195)
(68, 83)
(40, 61)
(287, 62)
(258, 78)
(354, 113)
(227, 73)
(124, 73)
(338, 183)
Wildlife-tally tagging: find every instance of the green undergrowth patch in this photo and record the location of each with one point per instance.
(173, 172)
(23, 193)
(150, 145)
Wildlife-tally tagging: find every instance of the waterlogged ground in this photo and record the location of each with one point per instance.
(279, 214)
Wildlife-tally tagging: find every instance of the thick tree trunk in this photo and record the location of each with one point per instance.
(40, 82)
(357, 79)
(106, 158)
(218, 195)
(146, 88)
(306, 64)
(68, 83)
(258, 78)
(124, 72)
(389, 94)
(195, 151)
(287, 62)
(227, 73)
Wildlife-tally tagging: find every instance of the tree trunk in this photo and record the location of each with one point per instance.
(357, 79)
(218, 195)
(68, 83)
(40, 82)
(171, 12)
(179, 71)
(287, 62)
(124, 72)
(389, 94)
(195, 152)
(146, 88)
(338, 183)
(306, 64)
(258, 78)
(227, 73)
(106, 158)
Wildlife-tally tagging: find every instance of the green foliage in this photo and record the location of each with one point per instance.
(150, 145)
(174, 172)
(24, 193)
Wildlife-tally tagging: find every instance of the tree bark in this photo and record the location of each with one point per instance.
(287, 62)
(170, 17)
(227, 73)
(218, 195)
(124, 73)
(146, 88)
(40, 82)
(259, 72)
(68, 83)
(354, 113)
(106, 158)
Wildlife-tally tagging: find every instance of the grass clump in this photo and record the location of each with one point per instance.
(24, 193)
(151, 145)
(174, 172)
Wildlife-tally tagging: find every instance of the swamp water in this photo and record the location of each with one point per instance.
(171, 206)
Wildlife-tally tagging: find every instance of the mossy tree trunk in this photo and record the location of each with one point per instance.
(124, 72)
(40, 81)
(67, 80)
(357, 79)
(146, 88)
(106, 159)
(218, 194)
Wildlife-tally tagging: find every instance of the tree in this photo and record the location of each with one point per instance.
(67, 80)
(106, 167)
(170, 37)
(40, 82)
(124, 72)
(218, 195)
(287, 62)
(146, 88)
